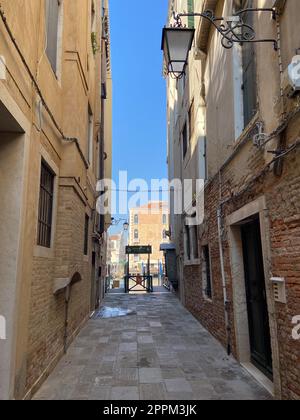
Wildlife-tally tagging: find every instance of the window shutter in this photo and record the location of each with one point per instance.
(191, 20)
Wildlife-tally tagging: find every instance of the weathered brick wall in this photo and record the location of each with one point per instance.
(284, 211)
(283, 202)
(47, 316)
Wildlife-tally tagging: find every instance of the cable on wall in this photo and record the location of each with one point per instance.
(58, 128)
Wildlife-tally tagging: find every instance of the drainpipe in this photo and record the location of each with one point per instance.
(226, 302)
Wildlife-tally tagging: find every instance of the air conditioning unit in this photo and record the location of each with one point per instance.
(291, 78)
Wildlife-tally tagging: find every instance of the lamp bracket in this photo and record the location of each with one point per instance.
(233, 29)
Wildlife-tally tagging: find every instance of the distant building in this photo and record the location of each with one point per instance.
(148, 226)
(116, 258)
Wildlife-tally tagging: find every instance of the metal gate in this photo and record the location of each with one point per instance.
(140, 282)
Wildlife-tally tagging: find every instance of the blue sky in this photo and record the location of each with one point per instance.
(139, 90)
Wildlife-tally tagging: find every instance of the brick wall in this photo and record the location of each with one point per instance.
(283, 202)
(47, 314)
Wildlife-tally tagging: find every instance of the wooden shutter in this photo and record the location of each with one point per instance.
(52, 14)
(191, 20)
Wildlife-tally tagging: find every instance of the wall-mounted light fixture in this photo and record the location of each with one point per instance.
(177, 39)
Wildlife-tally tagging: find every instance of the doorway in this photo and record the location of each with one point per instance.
(256, 297)
(253, 299)
(12, 149)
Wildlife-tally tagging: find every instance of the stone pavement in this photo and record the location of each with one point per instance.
(157, 352)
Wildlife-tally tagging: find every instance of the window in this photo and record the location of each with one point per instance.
(90, 136)
(45, 206)
(136, 258)
(164, 234)
(164, 219)
(184, 141)
(187, 243)
(136, 219)
(249, 84)
(206, 272)
(86, 235)
(52, 23)
(136, 234)
(195, 243)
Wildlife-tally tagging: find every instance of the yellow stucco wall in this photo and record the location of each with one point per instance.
(36, 316)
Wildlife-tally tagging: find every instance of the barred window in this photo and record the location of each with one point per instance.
(45, 206)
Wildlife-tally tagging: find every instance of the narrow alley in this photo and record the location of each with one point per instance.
(158, 351)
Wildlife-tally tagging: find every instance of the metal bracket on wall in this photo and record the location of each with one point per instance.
(233, 29)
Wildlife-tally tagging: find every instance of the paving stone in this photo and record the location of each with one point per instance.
(100, 393)
(126, 376)
(159, 353)
(155, 324)
(150, 375)
(178, 385)
(128, 347)
(127, 393)
(145, 339)
(153, 392)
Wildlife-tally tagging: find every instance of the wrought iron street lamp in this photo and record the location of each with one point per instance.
(177, 40)
(176, 44)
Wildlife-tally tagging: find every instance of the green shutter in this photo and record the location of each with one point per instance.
(191, 20)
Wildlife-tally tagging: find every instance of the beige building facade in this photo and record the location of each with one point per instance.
(233, 123)
(116, 258)
(148, 226)
(55, 143)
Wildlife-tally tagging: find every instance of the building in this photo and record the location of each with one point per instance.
(148, 226)
(55, 143)
(116, 259)
(231, 122)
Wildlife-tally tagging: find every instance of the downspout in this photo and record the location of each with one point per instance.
(278, 166)
(223, 275)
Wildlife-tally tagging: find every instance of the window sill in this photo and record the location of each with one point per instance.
(192, 262)
(244, 136)
(207, 299)
(42, 252)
